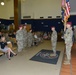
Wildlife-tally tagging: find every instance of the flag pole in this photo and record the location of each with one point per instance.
(65, 22)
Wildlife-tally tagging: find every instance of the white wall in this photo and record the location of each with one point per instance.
(34, 8)
(38, 8)
(73, 7)
(7, 10)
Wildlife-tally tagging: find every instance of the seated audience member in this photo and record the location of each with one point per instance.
(8, 40)
(49, 35)
(13, 39)
(39, 37)
(30, 38)
(14, 35)
(7, 37)
(4, 48)
(0, 35)
(35, 39)
(10, 34)
(45, 36)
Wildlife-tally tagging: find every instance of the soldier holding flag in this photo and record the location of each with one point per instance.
(68, 42)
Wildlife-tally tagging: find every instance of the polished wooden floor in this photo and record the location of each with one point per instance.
(70, 69)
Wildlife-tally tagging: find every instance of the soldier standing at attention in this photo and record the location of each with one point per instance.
(53, 41)
(30, 39)
(19, 38)
(68, 42)
(25, 36)
(75, 34)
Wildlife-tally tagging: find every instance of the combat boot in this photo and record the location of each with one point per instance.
(54, 54)
(65, 58)
(67, 62)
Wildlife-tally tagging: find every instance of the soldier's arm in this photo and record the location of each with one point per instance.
(55, 35)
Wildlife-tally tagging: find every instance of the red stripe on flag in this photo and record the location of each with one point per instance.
(67, 11)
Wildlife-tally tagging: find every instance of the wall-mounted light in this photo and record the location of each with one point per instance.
(2, 3)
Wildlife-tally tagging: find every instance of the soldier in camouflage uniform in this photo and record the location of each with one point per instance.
(75, 34)
(19, 38)
(68, 42)
(30, 38)
(25, 36)
(53, 41)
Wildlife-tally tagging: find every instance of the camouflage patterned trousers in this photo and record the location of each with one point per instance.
(30, 42)
(25, 42)
(20, 45)
(68, 51)
(54, 46)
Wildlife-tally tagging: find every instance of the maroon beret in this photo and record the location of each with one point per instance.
(20, 26)
(70, 23)
(52, 27)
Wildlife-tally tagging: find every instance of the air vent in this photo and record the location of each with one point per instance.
(58, 16)
(26, 17)
(49, 16)
(12, 18)
(41, 17)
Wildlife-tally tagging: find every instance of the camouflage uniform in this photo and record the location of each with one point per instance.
(68, 41)
(75, 34)
(30, 39)
(54, 41)
(19, 38)
(25, 37)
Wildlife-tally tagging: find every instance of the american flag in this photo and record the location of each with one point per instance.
(65, 9)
